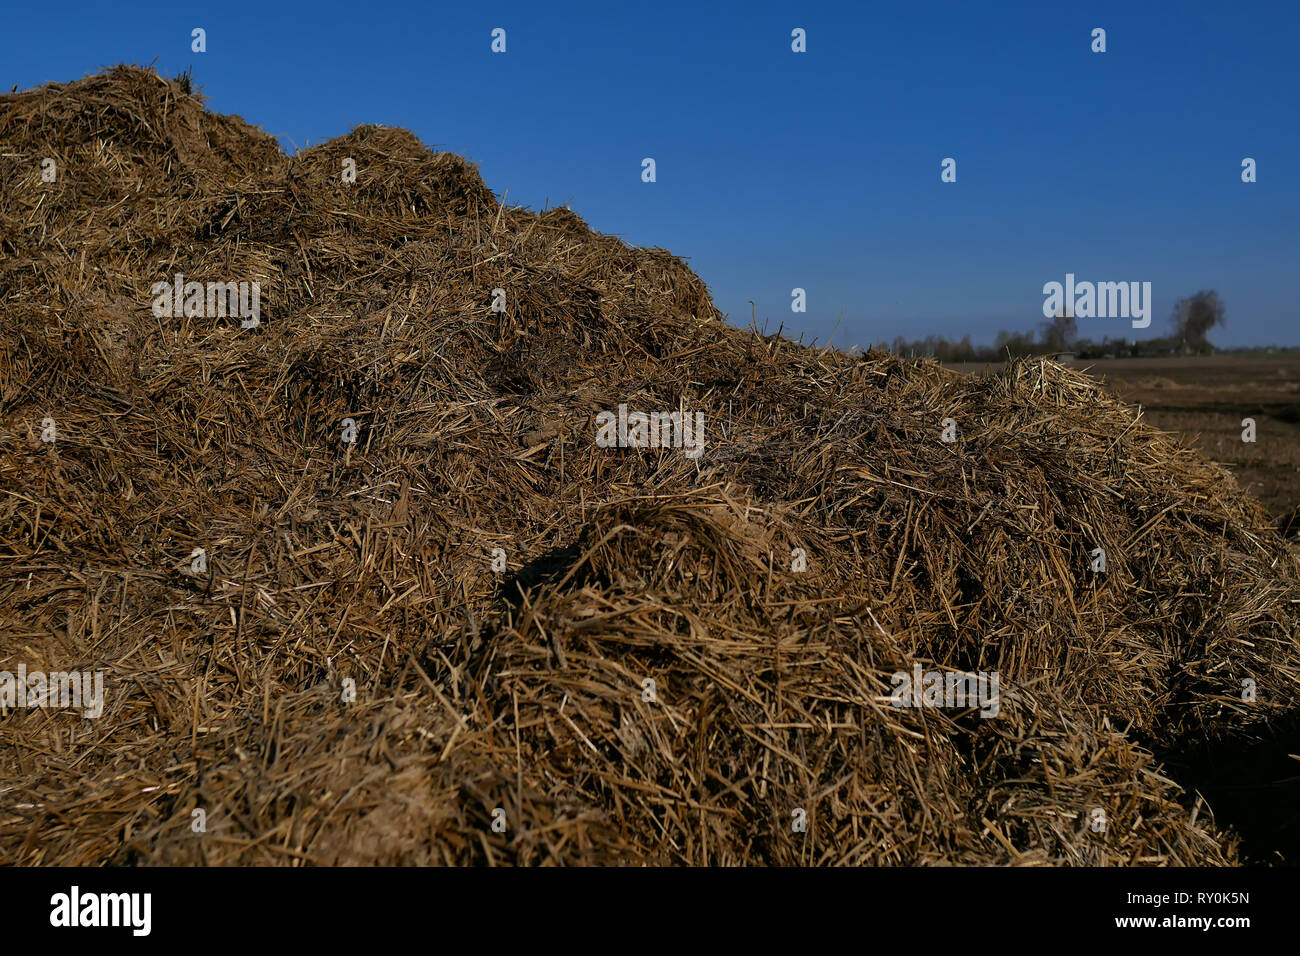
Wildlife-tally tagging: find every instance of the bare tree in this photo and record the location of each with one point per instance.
(1194, 316)
(1062, 332)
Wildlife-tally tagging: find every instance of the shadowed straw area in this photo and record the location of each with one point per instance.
(825, 539)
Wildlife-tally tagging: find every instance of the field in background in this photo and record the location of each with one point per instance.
(1205, 399)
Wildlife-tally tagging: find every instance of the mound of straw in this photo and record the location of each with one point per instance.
(670, 659)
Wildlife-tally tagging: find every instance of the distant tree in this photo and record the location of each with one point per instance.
(1060, 333)
(963, 351)
(1193, 317)
(1016, 344)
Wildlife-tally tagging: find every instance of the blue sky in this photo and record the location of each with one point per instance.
(818, 170)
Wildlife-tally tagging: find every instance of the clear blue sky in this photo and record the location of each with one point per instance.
(818, 170)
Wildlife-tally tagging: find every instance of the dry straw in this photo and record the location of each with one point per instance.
(525, 691)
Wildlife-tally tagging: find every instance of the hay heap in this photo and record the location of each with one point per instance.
(523, 691)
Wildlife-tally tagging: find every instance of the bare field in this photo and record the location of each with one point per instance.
(1205, 399)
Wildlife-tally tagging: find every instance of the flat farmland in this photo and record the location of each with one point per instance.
(1204, 399)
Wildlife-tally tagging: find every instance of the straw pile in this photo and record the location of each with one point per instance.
(524, 691)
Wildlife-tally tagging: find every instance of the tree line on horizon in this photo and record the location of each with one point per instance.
(1191, 320)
